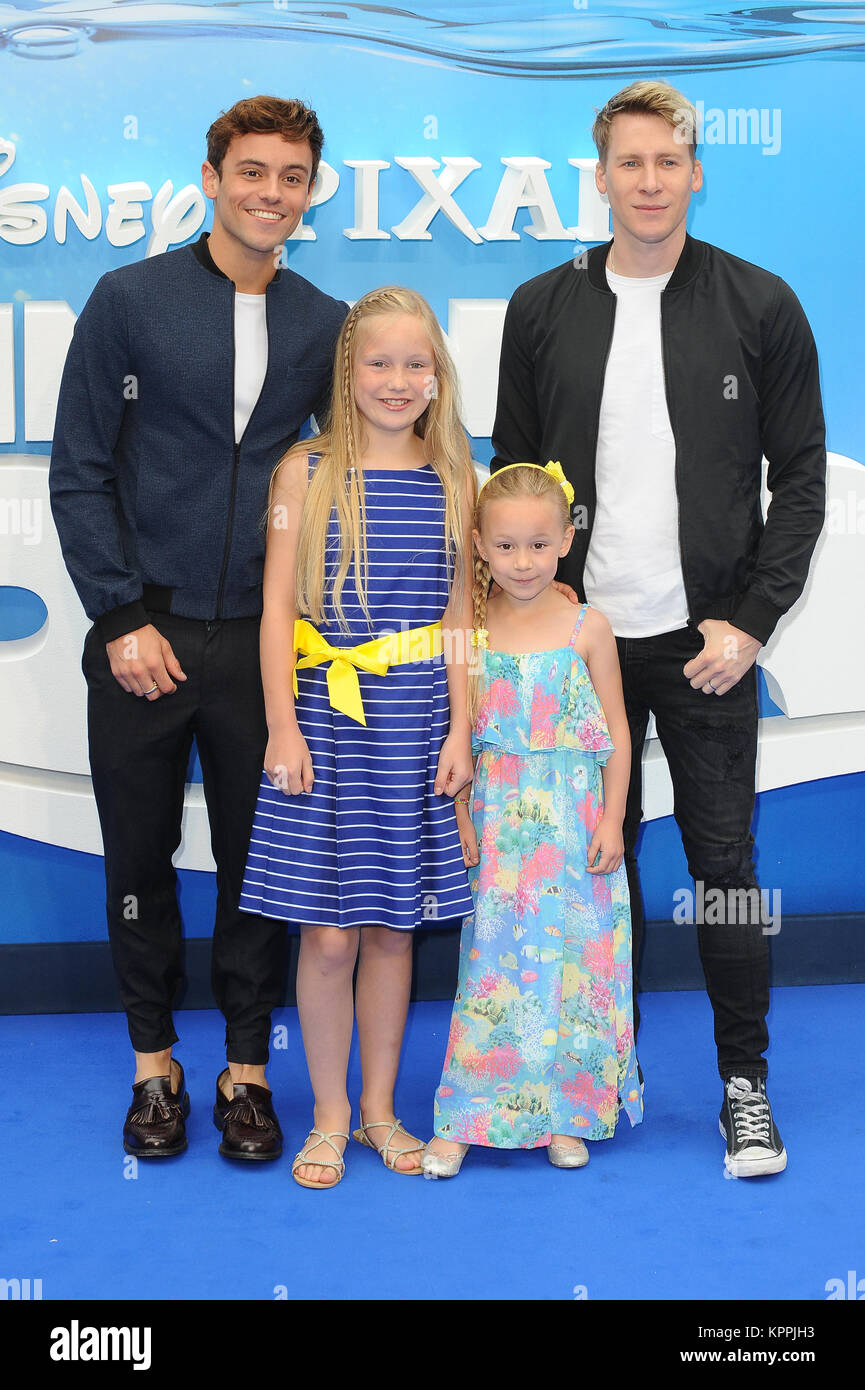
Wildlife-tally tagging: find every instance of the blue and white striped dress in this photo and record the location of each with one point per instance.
(371, 845)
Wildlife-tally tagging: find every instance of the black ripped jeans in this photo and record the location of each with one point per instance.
(710, 742)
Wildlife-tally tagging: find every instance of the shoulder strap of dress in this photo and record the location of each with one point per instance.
(311, 461)
(577, 625)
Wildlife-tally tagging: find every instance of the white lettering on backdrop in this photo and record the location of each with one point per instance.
(175, 217)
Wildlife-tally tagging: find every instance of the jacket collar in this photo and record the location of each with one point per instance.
(687, 266)
(201, 252)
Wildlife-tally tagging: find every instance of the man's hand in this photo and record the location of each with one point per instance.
(725, 658)
(569, 593)
(143, 663)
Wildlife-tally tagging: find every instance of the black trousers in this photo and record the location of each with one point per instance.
(710, 742)
(139, 751)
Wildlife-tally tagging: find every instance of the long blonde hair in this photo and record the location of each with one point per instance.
(338, 479)
(511, 482)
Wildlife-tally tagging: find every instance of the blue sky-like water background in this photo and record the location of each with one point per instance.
(375, 75)
(499, 80)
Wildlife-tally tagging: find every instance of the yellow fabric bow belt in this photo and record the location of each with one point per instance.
(343, 686)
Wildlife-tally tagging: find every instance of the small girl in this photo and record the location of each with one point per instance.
(541, 1046)
(368, 568)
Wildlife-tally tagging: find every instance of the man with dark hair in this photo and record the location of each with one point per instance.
(659, 370)
(292, 120)
(187, 378)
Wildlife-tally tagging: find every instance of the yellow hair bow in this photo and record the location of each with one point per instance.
(554, 469)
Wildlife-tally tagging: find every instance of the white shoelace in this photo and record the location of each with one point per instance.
(751, 1117)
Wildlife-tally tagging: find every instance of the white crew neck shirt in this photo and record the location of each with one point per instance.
(250, 356)
(633, 570)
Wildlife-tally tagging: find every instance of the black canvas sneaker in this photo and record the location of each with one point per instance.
(754, 1146)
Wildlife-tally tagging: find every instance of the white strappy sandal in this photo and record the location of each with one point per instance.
(303, 1157)
(388, 1147)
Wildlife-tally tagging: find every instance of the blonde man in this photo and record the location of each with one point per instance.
(659, 370)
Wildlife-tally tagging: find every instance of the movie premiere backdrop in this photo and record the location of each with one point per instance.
(458, 160)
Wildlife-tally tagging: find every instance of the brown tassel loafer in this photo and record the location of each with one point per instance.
(250, 1129)
(155, 1122)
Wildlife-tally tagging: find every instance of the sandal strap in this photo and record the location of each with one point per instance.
(395, 1127)
(303, 1157)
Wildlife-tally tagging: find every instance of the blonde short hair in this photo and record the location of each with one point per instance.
(646, 98)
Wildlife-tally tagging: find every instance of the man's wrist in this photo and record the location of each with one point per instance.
(129, 617)
(756, 617)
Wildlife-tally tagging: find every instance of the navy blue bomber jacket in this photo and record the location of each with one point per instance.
(150, 494)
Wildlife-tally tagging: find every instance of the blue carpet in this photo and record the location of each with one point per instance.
(651, 1217)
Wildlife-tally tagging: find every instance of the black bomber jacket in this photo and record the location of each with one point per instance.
(742, 381)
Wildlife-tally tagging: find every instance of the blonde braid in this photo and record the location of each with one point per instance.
(347, 385)
(480, 591)
(346, 484)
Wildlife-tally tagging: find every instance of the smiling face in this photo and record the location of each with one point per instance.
(648, 178)
(394, 371)
(522, 539)
(260, 195)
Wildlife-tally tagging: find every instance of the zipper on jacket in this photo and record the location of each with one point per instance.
(235, 468)
(234, 471)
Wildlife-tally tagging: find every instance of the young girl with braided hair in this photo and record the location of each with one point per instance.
(367, 586)
(541, 1045)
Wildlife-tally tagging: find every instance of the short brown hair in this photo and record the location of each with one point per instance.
(265, 116)
(646, 98)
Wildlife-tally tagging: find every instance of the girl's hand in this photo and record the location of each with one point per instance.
(288, 764)
(468, 838)
(455, 767)
(607, 842)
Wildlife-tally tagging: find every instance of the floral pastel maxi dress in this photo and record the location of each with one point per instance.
(541, 1039)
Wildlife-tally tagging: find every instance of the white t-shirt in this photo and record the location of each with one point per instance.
(633, 571)
(250, 356)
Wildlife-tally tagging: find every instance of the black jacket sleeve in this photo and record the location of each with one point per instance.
(517, 429)
(793, 438)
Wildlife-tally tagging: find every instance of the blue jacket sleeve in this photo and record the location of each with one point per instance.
(96, 389)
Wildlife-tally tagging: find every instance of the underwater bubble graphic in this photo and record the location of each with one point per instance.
(550, 38)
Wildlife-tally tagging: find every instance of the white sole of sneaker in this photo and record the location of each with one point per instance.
(754, 1167)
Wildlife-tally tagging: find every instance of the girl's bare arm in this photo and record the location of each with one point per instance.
(455, 766)
(287, 761)
(602, 659)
